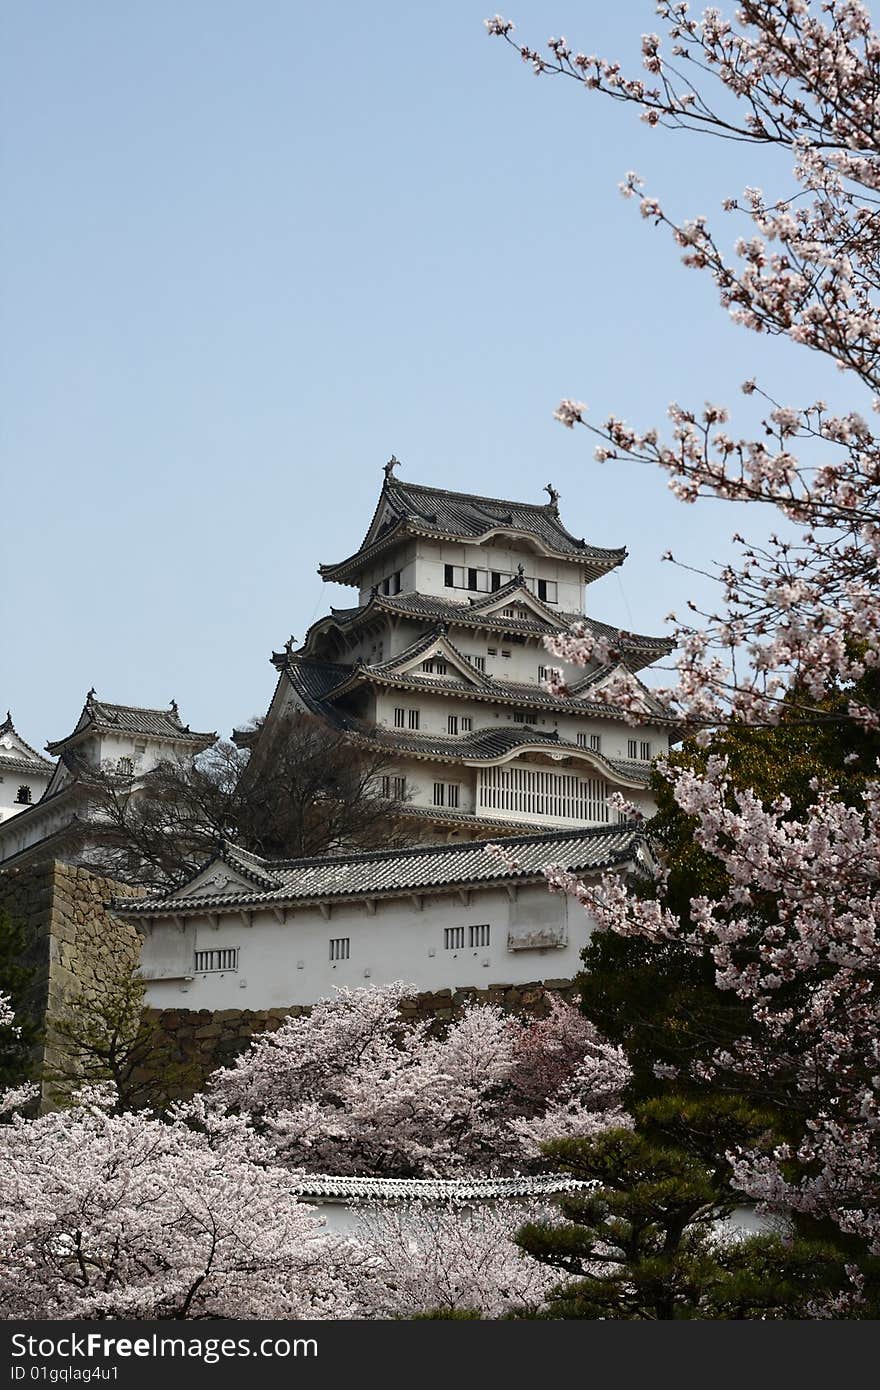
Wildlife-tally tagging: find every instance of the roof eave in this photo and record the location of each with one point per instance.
(347, 571)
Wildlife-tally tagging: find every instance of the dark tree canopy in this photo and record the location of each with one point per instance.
(300, 788)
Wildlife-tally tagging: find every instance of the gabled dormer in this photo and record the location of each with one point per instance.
(24, 773)
(431, 660)
(127, 738)
(516, 601)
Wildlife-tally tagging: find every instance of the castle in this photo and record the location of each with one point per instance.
(443, 660)
(441, 666)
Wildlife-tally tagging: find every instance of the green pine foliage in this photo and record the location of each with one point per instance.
(645, 1240)
(16, 977)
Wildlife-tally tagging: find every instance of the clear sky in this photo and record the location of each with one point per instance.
(249, 250)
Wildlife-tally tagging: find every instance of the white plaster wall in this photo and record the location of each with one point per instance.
(499, 554)
(109, 748)
(421, 776)
(10, 781)
(344, 1217)
(402, 558)
(434, 711)
(21, 832)
(289, 963)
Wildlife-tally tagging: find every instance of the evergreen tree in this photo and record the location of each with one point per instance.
(16, 977)
(644, 1239)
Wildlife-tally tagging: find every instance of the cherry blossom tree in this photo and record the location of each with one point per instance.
(801, 78)
(355, 1087)
(795, 634)
(443, 1257)
(105, 1215)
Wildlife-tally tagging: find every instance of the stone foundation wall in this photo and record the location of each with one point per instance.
(74, 943)
(206, 1039)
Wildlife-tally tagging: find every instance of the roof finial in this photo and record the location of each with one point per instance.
(520, 570)
(288, 645)
(91, 695)
(553, 495)
(174, 709)
(389, 467)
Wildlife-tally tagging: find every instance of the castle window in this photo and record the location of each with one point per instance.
(125, 767)
(632, 748)
(583, 740)
(467, 723)
(413, 718)
(446, 794)
(399, 718)
(395, 583)
(209, 962)
(454, 576)
(472, 579)
(505, 653)
(453, 938)
(596, 742)
(394, 788)
(479, 936)
(24, 796)
(530, 793)
(521, 716)
(435, 666)
(495, 580)
(340, 947)
(547, 673)
(645, 751)
(452, 724)
(479, 662)
(547, 590)
(492, 651)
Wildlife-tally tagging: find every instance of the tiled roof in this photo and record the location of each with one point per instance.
(416, 508)
(21, 757)
(29, 767)
(357, 874)
(636, 649)
(308, 678)
(164, 724)
(488, 688)
(487, 744)
(432, 1189)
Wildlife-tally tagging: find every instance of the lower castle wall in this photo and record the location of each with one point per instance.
(76, 945)
(208, 1038)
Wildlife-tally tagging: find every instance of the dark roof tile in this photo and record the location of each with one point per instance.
(414, 507)
(354, 874)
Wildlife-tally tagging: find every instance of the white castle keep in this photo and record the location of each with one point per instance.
(443, 659)
(441, 665)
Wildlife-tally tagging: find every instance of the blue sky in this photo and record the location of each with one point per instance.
(250, 250)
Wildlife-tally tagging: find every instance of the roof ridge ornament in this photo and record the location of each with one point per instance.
(554, 498)
(389, 467)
